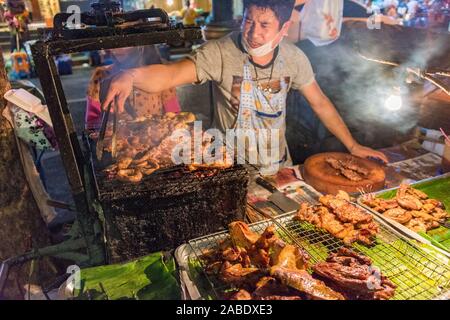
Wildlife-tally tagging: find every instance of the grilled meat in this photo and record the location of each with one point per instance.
(398, 214)
(354, 273)
(340, 218)
(348, 169)
(351, 175)
(241, 235)
(245, 260)
(241, 295)
(269, 287)
(412, 208)
(238, 275)
(289, 256)
(344, 210)
(302, 281)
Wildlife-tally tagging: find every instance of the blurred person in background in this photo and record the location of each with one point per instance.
(413, 6)
(18, 18)
(188, 14)
(140, 103)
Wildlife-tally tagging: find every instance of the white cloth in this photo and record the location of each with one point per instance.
(322, 21)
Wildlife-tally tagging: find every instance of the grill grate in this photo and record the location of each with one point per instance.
(417, 275)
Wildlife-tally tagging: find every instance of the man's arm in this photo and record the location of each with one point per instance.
(153, 79)
(329, 116)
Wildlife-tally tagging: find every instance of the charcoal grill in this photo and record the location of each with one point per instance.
(163, 210)
(96, 201)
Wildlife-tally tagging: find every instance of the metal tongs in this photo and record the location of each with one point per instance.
(101, 140)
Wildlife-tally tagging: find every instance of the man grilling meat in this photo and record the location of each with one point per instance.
(252, 71)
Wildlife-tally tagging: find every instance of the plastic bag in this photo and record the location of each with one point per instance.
(33, 130)
(322, 21)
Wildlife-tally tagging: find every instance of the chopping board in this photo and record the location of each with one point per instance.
(325, 179)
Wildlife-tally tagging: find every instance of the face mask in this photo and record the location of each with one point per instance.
(263, 50)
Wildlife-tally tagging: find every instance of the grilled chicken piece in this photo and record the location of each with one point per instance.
(302, 281)
(409, 202)
(280, 298)
(414, 192)
(267, 238)
(398, 214)
(241, 295)
(380, 205)
(269, 287)
(241, 235)
(237, 274)
(435, 203)
(289, 256)
(423, 215)
(259, 257)
(417, 225)
(344, 210)
(440, 214)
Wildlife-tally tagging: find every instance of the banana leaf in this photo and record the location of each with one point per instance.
(438, 189)
(149, 278)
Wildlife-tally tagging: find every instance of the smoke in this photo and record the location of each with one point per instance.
(359, 88)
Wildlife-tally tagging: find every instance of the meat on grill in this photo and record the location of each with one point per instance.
(348, 272)
(263, 267)
(340, 218)
(302, 281)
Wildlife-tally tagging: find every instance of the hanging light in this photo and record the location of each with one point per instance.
(394, 101)
(170, 3)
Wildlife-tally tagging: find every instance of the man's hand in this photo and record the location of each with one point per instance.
(364, 152)
(121, 87)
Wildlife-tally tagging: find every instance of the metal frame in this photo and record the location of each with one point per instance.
(85, 245)
(43, 52)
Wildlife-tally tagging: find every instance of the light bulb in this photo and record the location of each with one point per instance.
(393, 102)
(170, 3)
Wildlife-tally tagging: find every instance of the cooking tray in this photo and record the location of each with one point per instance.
(436, 188)
(417, 274)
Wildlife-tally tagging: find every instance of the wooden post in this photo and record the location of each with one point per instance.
(21, 225)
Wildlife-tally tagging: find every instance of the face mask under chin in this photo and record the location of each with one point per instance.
(263, 50)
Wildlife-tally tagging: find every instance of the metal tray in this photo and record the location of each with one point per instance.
(418, 275)
(404, 230)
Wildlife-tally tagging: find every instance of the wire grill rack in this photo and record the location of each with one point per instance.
(418, 275)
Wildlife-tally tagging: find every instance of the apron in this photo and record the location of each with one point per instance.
(264, 113)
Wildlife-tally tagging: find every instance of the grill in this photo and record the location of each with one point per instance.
(166, 208)
(417, 274)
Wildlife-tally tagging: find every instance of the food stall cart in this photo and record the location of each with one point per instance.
(332, 246)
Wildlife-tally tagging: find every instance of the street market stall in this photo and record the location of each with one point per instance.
(150, 228)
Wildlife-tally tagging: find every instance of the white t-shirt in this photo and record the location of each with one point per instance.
(412, 7)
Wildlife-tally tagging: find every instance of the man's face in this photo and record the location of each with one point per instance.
(259, 26)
